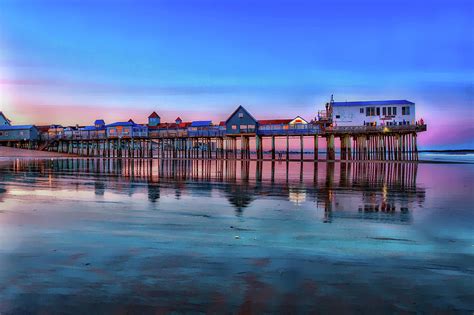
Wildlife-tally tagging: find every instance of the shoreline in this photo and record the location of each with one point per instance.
(7, 153)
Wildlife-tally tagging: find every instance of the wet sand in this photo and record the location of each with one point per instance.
(7, 152)
(142, 236)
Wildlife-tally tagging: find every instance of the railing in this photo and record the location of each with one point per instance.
(375, 129)
(282, 129)
(215, 132)
(265, 130)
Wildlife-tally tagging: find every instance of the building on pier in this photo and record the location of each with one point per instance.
(241, 122)
(18, 133)
(127, 129)
(154, 119)
(4, 121)
(371, 113)
(97, 131)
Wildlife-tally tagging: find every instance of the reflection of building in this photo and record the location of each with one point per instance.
(381, 191)
(384, 192)
(297, 195)
(240, 196)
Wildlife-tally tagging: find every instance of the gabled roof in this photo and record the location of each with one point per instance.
(154, 115)
(99, 122)
(274, 121)
(235, 111)
(5, 117)
(375, 103)
(201, 123)
(179, 118)
(222, 123)
(300, 118)
(16, 127)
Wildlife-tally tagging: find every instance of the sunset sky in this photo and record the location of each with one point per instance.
(71, 62)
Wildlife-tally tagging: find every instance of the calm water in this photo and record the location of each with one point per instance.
(93, 236)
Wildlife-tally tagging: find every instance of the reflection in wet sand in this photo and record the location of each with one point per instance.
(151, 236)
(379, 191)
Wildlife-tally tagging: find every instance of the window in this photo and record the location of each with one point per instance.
(234, 127)
(338, 116)
(405, 110)
(1, 133)
(243, 128)
(384, 111)
(362, 110)
(390, 111)
(394, 111)
(378, 111)
(113, 131)
(367, 111)
(251, 127)
(241, 115)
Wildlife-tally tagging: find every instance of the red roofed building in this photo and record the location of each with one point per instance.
(153, 119)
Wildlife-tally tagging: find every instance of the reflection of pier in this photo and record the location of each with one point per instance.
(373, 191)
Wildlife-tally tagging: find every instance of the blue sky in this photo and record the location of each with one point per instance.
(74, 61)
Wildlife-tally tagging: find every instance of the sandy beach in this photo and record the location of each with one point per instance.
(23, 153)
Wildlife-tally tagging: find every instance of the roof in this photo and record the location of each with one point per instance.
(274, 121)
(300, 118)
(222, 123)
(184, 124)
(179, 118)
(99, 122)
(90, 128)
(8, 120)
(235, 111)
(154, 115)
(366, 103)
(43, 128)
(121, 123)
(17, 127)
(201, 123)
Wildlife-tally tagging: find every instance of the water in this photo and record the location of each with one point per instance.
(93, 236)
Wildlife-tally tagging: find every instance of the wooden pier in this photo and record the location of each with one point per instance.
(397, 143)
(378, 134)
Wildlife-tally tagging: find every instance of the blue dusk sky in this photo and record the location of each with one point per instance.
(72, 62)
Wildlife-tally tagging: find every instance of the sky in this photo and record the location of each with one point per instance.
(71, 62)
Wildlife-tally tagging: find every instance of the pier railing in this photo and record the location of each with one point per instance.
(374, 129)
(284, 129)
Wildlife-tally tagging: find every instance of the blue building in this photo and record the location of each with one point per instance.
(127, 129)
(204, 128)
(154, 119)
(4, 121)
(99, 124)
(241, 122)
(18, 133)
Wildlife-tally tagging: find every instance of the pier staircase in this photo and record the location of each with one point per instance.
(46, 145)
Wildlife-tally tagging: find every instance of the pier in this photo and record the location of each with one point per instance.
(385, 137)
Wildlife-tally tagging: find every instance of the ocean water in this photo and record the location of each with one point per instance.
(140, 236)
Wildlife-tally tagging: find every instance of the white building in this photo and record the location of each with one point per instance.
(375, 113)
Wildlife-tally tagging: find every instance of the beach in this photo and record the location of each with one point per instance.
(7, 152)
(163, 236)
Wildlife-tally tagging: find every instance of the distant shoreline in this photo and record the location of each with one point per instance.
(462, 151)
